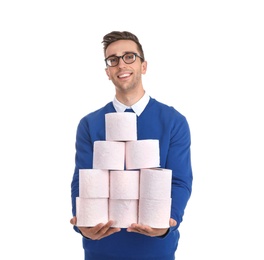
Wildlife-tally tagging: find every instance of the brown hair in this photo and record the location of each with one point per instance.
(117, 35)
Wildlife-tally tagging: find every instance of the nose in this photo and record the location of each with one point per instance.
(121, 63)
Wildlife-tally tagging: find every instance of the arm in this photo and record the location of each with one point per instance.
(83, 160)
(179, 160)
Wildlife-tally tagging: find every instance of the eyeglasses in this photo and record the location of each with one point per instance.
(128, 58)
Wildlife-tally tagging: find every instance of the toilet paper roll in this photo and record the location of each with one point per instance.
(109, 155)
(155, 183)
(93, 183)
(90, 212)
(123, 212)
(154, 213)
(124, 185)
(120, 126)
(142, 154)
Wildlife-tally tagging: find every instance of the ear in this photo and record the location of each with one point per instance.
(144, 66)
(108, 73)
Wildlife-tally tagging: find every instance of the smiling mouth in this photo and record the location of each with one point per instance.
(124, 75)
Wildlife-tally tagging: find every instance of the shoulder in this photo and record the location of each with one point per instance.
(99, 113)
(166, 109)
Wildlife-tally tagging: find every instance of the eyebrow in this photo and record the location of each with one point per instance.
(121, 55)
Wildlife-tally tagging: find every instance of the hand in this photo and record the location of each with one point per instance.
(97, 232)
(149, 231)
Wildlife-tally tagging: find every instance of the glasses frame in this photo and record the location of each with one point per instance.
(136, 55)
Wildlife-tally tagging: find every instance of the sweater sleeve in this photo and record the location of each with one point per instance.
(83, 158)
(179, 161)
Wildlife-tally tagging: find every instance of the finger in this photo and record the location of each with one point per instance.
(73, 220)
(104, 229)
(100, 230)
(133, 228)
(94, 230)
(173, 222)
(139, 228)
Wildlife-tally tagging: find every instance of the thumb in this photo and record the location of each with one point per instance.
(73, 220)
(173, 222)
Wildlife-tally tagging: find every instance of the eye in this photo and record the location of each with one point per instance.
(129, 56)
(112, 59)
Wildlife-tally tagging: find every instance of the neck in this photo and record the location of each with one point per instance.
(129, 99)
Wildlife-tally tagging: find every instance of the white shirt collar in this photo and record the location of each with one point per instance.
(137, 107)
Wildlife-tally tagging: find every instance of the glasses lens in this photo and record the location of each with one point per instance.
(129, 58)
(112, 61)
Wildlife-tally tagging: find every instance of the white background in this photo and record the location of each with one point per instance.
(205, 58)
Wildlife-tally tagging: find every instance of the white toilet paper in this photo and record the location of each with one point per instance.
(109, 155)
(154, 213)
(155, 183)
(124, 184)
(123, 212)
(120, 126)
(93, 183)
(142, 154)
(90, 212)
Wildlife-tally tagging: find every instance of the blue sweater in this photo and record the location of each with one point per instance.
(157, 121)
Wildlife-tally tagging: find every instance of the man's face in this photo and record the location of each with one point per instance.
(125, 76)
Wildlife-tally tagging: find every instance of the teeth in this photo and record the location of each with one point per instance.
(124, 75)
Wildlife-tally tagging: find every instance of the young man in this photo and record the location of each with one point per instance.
(125, 64)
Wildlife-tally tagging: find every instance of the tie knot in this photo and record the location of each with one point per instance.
(129, 110)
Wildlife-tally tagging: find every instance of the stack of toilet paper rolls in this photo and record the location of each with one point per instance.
(126, 184)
